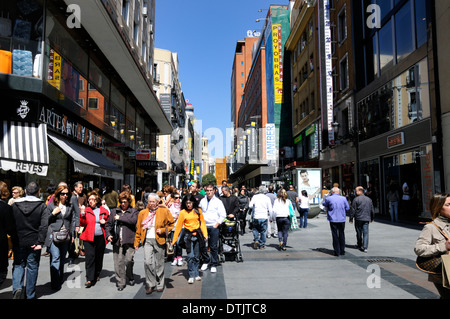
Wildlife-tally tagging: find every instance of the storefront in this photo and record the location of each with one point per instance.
(397, 142)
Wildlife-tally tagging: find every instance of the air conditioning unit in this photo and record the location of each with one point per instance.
(144, 11)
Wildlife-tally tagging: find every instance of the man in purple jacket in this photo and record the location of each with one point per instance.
(337, 207)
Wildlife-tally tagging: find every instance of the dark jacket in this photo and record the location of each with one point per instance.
(127, 223)
(243, 201)
(55, 222)
(31, 221)
(231, 204)
(362, 209)
(7, 227)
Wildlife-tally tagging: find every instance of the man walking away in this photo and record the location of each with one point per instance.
(262, 208)
(31, 229)
(337, 206)
(363, 213)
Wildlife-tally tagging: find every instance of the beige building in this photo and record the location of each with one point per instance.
(170, 95)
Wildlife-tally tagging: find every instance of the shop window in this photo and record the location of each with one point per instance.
(21, 33)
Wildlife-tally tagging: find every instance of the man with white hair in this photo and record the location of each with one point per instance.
(152, 225)
(337, 207)
(261, 206)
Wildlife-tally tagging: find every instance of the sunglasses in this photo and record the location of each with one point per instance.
(64, 194)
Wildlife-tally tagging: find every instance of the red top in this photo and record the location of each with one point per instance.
(88, 222)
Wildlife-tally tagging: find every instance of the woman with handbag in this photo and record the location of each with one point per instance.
(194, 234)
(433, 240)
(61, 224)
(93, 218)
(120, 232)
(281, 211)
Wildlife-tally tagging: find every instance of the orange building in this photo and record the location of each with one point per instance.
(221, 169)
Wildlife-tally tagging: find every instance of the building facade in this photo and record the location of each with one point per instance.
(398, 115)
(82, 73)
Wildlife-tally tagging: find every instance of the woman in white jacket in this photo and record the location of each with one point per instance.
(281, 212)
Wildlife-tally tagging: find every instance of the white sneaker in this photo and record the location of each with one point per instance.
(180, 262)
(191, 280)
(198, 278)
(174, 262)
(213, 269)
(204, 267)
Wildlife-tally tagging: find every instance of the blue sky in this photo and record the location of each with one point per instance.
(204, 34)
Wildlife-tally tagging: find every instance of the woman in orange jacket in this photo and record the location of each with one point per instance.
(152, 227)
(194, 234)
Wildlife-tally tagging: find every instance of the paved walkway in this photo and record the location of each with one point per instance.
(307, 269)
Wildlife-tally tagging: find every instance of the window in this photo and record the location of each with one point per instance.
(386, 52)
(343, 73)
(93, 103)
(342, 25)
(125, 10)
(404, 31)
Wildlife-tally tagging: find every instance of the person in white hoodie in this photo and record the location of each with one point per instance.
(281, 211)
(214, 214)
(262, 208)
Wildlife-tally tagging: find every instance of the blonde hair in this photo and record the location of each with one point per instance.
(282, 194)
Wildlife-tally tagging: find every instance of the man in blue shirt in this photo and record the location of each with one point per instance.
(337, 207)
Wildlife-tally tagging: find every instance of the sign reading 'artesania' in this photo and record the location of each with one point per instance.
(277, 63)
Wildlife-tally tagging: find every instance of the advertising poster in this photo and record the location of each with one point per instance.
(310, 180)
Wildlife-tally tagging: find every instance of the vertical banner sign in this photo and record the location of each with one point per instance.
(277, 63)
(54, 69)
(270, 142)
(328, 70)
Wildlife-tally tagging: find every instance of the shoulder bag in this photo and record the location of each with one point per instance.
(61, 236)
(431, 264)
(169, 245)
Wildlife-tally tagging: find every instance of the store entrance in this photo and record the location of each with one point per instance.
(403, 172)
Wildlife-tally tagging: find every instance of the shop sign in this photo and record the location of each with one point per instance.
(271, 147)
(395, 140)
(64, 125)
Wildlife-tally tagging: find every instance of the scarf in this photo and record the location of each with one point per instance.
(149, 220)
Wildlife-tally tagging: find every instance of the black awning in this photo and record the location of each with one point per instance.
(24, 147)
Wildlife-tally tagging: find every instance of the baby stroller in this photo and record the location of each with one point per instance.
(229, 244)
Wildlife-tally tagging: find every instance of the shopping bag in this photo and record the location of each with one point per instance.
(446, 271)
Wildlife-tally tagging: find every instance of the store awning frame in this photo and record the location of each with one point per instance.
(87, 161)
(24, 147)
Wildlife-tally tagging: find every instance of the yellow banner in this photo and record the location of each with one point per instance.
(54, 69)
(277, 63)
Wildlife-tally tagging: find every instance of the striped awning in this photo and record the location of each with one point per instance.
(24, 147)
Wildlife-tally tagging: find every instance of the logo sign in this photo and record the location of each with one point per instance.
(277, 63)
(395, 140)
(271, 148)
(23, 109)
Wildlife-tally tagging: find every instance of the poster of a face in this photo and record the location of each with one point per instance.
(310, 181)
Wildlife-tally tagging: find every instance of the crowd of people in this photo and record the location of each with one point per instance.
(69, 224)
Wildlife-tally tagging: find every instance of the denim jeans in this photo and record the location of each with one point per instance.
(260, 230)
(362, 234)
(193, 258)
(303, 217)
(57, 259)
(26, 259)
(213, 241)
(393, 211)
(283, 224)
